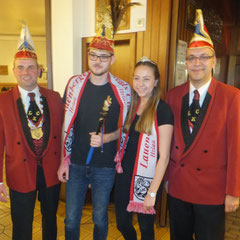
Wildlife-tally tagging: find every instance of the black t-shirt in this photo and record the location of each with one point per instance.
(123, 183)
(87, 119)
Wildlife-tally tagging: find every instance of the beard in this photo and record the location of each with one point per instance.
(97, 70)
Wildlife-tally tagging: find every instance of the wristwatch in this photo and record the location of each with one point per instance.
(152, 194)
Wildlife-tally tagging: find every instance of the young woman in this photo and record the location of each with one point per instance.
(144, 157)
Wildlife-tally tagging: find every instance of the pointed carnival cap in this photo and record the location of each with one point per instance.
(201, 36)
(103, 40)
(26, 49)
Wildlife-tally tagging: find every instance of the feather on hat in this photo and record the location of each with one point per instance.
(201, 36)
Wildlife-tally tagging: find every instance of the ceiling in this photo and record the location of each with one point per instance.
(12, 12)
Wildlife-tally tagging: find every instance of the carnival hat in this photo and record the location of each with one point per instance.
(103, 41)
(26, 49)
(201, 36)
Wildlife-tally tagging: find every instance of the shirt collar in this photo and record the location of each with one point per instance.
(24, 93)
(202, 92)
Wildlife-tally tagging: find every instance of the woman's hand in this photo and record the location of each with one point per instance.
(149, 202)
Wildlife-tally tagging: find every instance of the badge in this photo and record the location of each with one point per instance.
(36, 133)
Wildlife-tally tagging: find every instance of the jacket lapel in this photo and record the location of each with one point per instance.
(201, 123)
(46, 122)
(24, 122)
(49, 115)
(184, 119)
(21, 121)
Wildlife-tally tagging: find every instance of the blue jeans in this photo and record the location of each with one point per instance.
(101, 180)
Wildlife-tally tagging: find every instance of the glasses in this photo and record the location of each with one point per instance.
(202, 59)
(102, 58)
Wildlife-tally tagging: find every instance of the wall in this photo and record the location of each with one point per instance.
(72, 20)
(8, 48)
(155, 41)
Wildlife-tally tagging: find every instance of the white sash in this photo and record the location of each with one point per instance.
(74, 92)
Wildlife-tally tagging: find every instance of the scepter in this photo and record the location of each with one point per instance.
(103, 114)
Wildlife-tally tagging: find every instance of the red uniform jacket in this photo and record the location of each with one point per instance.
(206, 168)
(20, 161)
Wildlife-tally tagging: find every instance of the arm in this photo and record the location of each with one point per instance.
(63, 170)
(233, 158)
(96, 140)
(165, 137)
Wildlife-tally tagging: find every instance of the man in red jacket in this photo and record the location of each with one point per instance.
(30, 133)
(203, 173)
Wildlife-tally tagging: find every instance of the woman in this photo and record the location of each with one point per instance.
(142, 165)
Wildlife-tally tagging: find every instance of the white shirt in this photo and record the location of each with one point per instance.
(202, 92)
(26, 99)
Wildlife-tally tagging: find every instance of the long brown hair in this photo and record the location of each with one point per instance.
(145, 121)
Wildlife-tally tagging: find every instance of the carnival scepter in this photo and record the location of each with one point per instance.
(103, 114)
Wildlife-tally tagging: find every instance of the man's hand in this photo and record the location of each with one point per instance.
(3, 193)
(231, 203)
(63, 172)
(95, 140)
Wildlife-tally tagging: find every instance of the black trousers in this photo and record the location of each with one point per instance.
(206, 222)
(125, 225)
(125, 218)
(22, 210)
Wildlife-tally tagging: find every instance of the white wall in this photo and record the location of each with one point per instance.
(8, 48)
(71, 21)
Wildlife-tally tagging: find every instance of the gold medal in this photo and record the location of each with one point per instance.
(36, 133)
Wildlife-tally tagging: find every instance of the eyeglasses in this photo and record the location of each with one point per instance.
(202, 59)
(102, 58)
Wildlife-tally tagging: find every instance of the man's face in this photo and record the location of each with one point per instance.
(26, 72)
(199, 64)
(99, 62)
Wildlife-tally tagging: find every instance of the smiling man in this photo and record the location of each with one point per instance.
(203, 172)
(84, 98)
(30, 131)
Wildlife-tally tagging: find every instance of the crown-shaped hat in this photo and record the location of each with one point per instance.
(201, 36)
(26, 49)
(103, 40)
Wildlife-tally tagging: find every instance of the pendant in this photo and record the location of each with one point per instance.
(36, 133)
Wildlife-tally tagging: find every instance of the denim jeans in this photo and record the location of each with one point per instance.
(101, 180)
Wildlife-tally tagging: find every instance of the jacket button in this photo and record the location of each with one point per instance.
(205, 151)
(24, 159)
(182, 165)
(198, 169)
(176, 147)
(18, 143)
(55, 137)
(55, 153)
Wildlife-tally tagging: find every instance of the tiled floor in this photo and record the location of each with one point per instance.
(232, 224)
(86, 224)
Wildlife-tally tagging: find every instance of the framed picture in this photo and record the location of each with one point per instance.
(103, 15)
(3, 69)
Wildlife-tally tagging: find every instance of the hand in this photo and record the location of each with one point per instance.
(3, 193)
(95, 140)
(231, 203)
(63, 172)
(149, 202)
